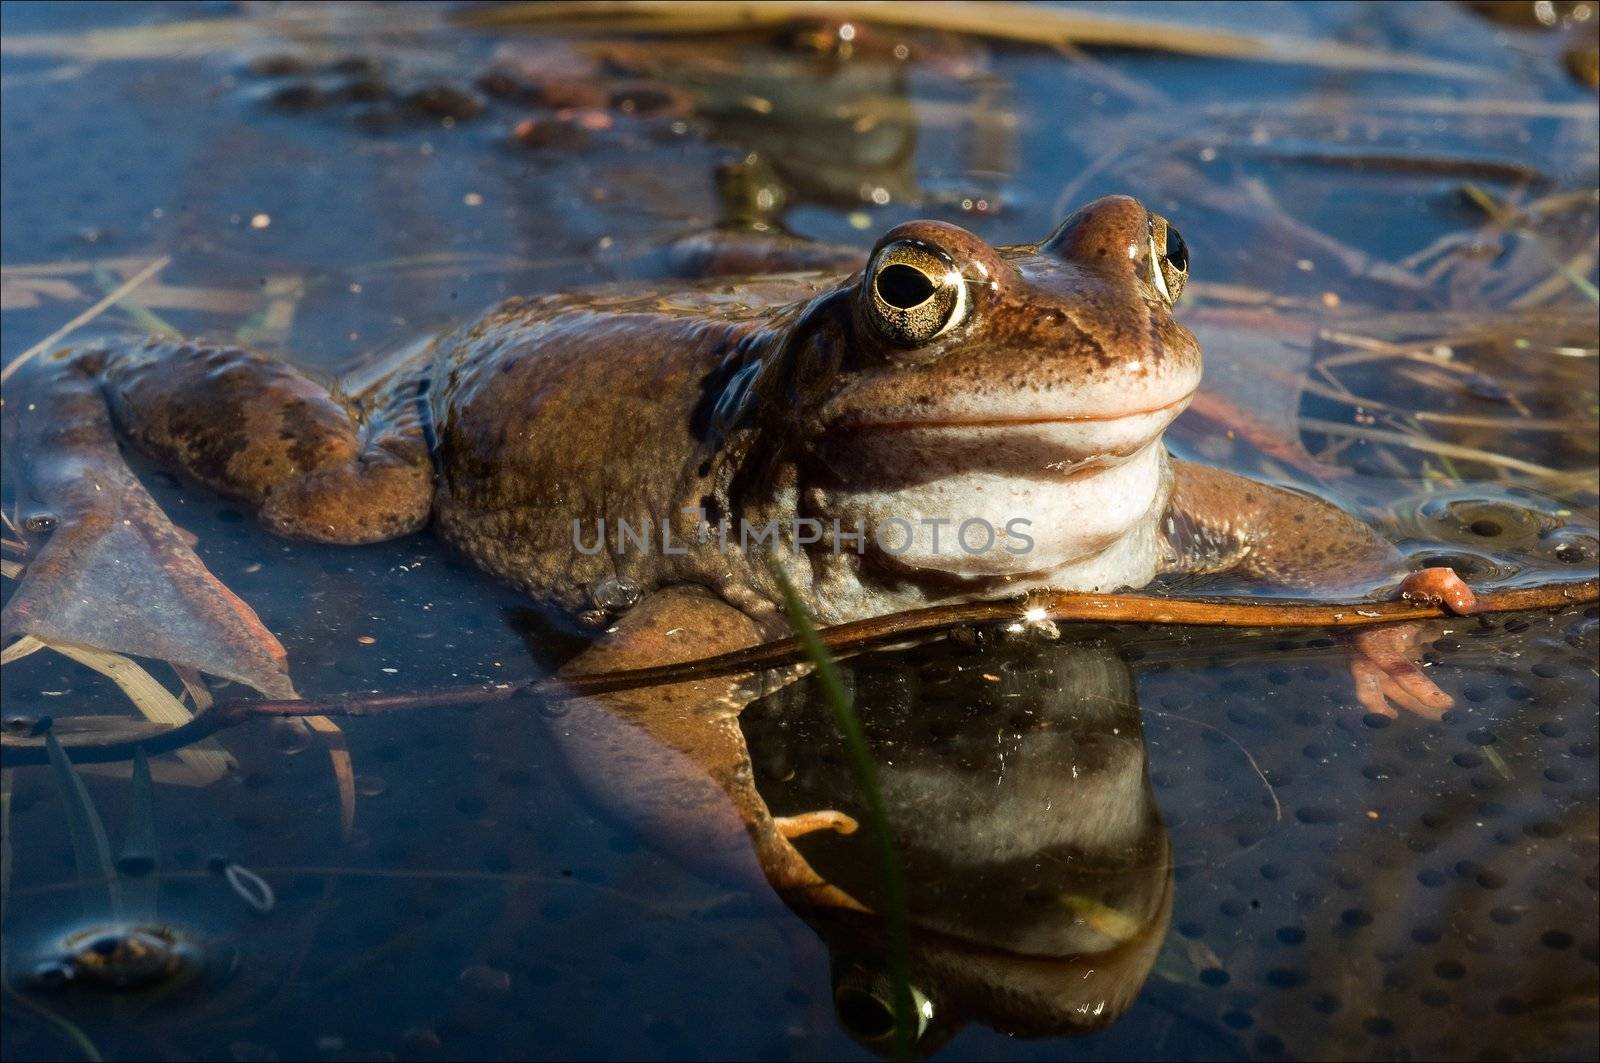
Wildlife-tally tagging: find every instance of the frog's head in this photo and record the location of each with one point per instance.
(1072, 339)
(997, 383)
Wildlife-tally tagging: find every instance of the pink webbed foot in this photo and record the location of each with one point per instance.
(1384, 665)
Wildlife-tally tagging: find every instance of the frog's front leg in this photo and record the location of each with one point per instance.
(112, 571)
(1217, 521)
(671, 759)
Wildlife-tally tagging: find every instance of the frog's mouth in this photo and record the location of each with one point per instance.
(1165, 411)
(1032, 444)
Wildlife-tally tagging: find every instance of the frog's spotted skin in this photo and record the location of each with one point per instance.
(1018, 390)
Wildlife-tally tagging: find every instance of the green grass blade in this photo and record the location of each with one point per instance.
(142, 315)
(91, 852)
(897, 930)
(136, 864)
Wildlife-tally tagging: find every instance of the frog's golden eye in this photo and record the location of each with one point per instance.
(915, 293)
(1169, 260)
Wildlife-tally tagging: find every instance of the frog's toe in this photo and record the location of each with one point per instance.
(1380, 693)
(1388, 678)
(792, 827)
(1369, 681)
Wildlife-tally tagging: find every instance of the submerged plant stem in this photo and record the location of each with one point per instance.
(1431, 446)
(91, 851)
(897, 929)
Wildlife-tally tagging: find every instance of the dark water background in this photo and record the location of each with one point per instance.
(1343, 886)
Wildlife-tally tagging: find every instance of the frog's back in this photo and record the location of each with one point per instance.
(580, 408)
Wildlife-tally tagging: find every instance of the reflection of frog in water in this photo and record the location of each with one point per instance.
(1015, 784)
(1023, 389)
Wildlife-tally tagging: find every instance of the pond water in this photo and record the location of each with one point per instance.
(1391, 212)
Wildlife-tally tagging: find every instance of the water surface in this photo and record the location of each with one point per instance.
(1309, 882)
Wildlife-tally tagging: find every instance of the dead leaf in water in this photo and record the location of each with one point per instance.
(1018, 23)
(25, 293)
(155, 702)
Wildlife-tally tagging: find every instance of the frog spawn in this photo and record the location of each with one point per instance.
(1495, 539)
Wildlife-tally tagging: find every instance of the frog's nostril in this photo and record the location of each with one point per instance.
(904, 287)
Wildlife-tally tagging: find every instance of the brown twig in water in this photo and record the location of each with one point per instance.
(1065, 606)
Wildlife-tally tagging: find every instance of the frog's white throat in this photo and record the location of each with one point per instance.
(1094, 528)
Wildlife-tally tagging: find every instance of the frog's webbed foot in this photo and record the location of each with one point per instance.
(1387, 676)
(1384, 664)
(117, 575)
(108, 568)
(114, 572)
(1441, 586)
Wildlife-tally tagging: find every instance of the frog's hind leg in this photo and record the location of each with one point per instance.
(113, 572)
(314, 464)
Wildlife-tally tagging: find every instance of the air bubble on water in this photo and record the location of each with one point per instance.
(121, 957)
(614, 593)
(553, 709)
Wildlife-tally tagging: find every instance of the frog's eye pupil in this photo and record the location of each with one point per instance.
(904, 287)
(913, 294)
(1177, 251)
(865, 1015)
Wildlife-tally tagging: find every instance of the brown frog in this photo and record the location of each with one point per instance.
(955, 422)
